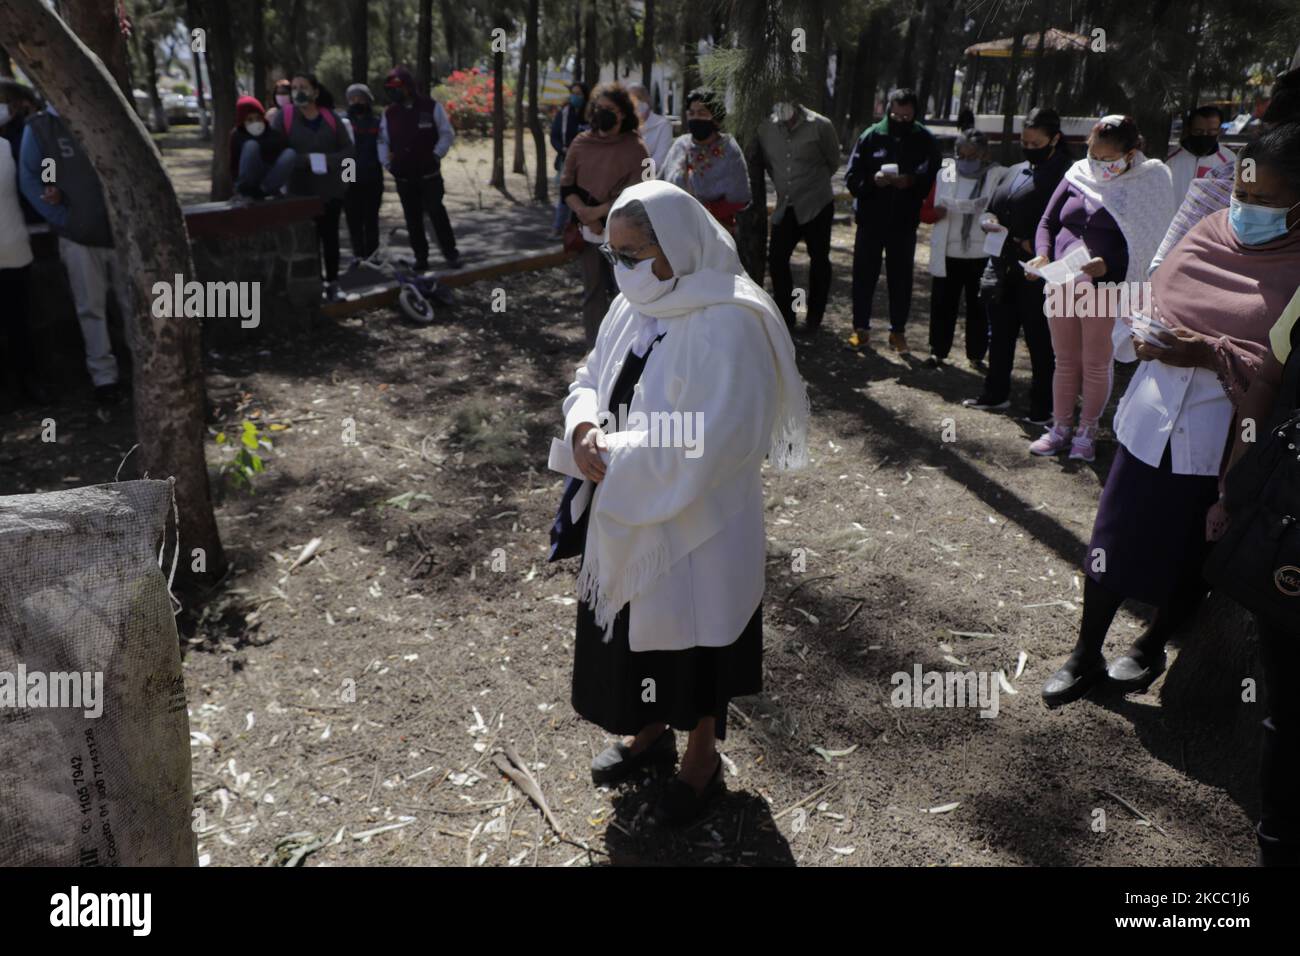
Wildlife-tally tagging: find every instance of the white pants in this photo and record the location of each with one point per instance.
(91, 270)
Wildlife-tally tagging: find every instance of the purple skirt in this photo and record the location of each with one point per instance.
(1150, 529)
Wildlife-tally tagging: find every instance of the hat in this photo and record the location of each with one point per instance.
(359, 88)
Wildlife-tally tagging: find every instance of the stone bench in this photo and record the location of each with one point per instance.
(271, 242)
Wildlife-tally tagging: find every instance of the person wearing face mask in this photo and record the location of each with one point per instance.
(320, 144)
(708, 163)
(957, 256)
(1215, 299)
(801, 153)
(1212, 192)
(656, 131)
(1011, 302)
(600, 164)
(570, 120)
(1116, 204)
(673, 572)
(1198, 151)
(282, 97)
(261, 162)
(362, 201)
(887, 210)
(1266, 402)
(18, 360)
(414, 136)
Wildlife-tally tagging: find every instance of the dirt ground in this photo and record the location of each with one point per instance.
(347, 712)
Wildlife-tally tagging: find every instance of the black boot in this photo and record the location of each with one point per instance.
(1081, 672)
(1279, 790)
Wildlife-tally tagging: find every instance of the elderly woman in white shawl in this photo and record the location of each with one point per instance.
(691, 384)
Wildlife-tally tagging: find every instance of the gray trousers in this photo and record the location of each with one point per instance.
(91, 271)
(598, 289)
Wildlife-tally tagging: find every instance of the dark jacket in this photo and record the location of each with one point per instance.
(82, 216)
(1019, 203)
(917, 155)
(365, 130)
(271, 143)
(568, 123)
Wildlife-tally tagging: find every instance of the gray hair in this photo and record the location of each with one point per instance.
(638, 90)
(635, 212)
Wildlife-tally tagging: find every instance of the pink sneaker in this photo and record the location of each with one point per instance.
(1084, 446)
(1052, 442)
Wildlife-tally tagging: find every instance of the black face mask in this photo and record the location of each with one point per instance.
(701, 129)
(899, 129)
(301, 98)
(604, 120)
(1036, 154)
(396, 94)
(358, 109)
(1201, 145)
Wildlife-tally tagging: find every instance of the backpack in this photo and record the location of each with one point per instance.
(1257, 561)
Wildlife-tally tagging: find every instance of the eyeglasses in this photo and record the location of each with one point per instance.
(628, 259)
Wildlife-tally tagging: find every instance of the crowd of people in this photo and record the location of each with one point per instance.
(1187, 264)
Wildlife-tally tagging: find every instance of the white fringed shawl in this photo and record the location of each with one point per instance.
(651, 511)
(1141, 201)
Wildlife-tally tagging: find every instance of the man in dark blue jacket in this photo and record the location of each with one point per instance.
(362, 200)
(887, 209)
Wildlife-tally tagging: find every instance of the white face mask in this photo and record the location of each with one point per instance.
(642, 110)
(5, 115)
(1107, 169)
(641, 285)
(784, 111)
(255, 127)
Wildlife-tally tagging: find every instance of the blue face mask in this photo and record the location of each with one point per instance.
(970, 168)
(1255, 225)
(576, 100)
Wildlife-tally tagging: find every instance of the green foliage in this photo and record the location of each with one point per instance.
(245, 462)
(334, 70)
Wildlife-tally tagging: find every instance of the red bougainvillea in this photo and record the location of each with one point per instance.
(467, 96)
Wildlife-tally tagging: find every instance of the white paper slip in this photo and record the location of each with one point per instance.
(1149, 331)
(561, 459)
(969, 206)
(318, 163)
(1062, 270)
(994, 241)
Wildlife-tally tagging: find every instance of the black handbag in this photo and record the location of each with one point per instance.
(1257, 561)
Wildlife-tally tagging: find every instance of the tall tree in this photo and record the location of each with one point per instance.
(259, 63)
(97, 23)
(424, 46)
(449, 33)
(498, 180)
(149, 233)
(361, 40)
(648, 44)
(532, 53)
(520, 86)
(591, 46)
(214, 20)
(1011, 90)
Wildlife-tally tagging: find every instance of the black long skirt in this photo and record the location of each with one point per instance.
(609, 680)
(1150, 527)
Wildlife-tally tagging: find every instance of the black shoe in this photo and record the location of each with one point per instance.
(680, 804)
(986, 403)
(978, 364)
(34, 392)
(1073, 681)
(1133, 673)
(933, 362)
(109, 394)
(1039, 418)
(453, 260)
(616, 762)
(421, 265)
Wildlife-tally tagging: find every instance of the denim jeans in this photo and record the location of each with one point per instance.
(253, 171)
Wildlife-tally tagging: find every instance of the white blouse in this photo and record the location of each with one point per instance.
(1185, 408)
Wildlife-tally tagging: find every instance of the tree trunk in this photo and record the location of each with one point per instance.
(532, 47)
(221, 73)
(205, 119)
(613, 35)
(1010, 94)
(293, 32)
(498, 180)
(591, 49)
(6, 67)
(360, 41)
(907, 61)
(259, 53)
(151, 69)
(95, 22)
(519, 166)
(648, 44)
(149, 231)
(939, 12)
(424, 46)
(862, 103)
(751, 222)
(1044, 21)
(577, 41)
